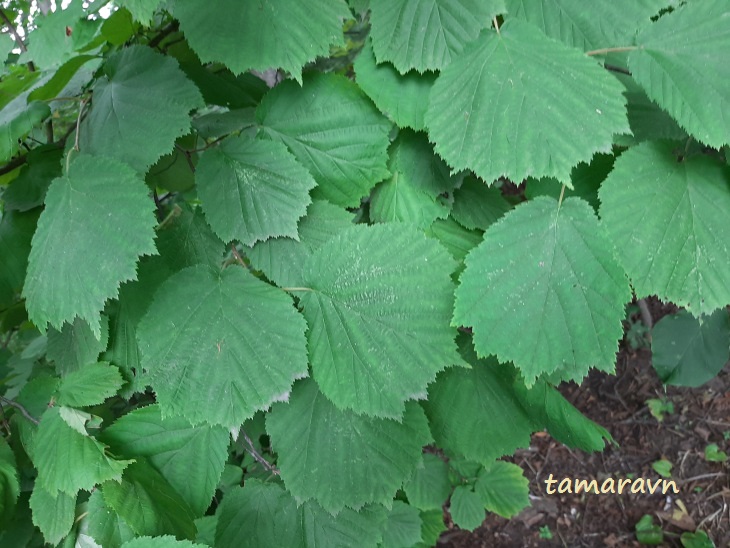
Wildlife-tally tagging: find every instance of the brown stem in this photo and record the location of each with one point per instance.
(251, 450)
(23, 410)
(611, 50)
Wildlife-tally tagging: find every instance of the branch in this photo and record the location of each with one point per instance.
(23, 410)
(18, 40)
(14, 163)
(603, 51)
(614, 68)
(251, 450)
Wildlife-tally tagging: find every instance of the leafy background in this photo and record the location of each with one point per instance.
(270, 273)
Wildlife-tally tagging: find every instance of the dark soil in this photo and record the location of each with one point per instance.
(618, 402)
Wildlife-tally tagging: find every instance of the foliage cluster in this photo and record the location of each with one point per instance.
(236, 314)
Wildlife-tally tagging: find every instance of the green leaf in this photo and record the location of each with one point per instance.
(9, 482)
(138, 132)
(429, 487)
(166, 541)
(687, 351)
(676, 251)
(278, 33)
(339, 458)
(50, 44)
(234, 347)
(546, 271)
(466, 508)
(141, 10)
(76, 345)
(252, 190)
(401, 97)
(16, 234)
(187, 240)
(698, 539)
(333, 129)
(454, 237)
(403, 528)
(549, 410)
(53, 515)
(174, 448)
(17, 119)
(663, 467)
(647, 532)
(148, 504)
(679, 65)
(490, 109)
(103, 208)
(474, 412)
(68, 460)
(62, 78)
(713, 453)
(358, 302)
(282, 259)
(605, 25)
(427, 35)
(503, 489)
(476, 206)
(264, 515)
(28, 189)
(432, 527)
(417, 179)
(90, 385)
(104, 525)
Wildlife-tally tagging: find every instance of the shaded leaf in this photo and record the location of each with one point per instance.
(53, 515)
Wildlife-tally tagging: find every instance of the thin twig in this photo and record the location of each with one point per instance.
(496, 24)
(603, 51)
(614, 68)
(16, 37)
(645, 313)
(49, 131)
(251, 450)
(188, 157)
(14, 163)
(23, 410)
(78, 123)
(237, 255)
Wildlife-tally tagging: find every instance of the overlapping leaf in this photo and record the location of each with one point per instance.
(104, 210)
(401, 97)
(16, 234)
(476, 206)
(282, 259)
(341, 459)
(89, 385)
(466, 508)
(334, 130)
(278, 33)
(104, 525)
(372, 345)
(252, 190)
(187, 240)
(427, 34)
(502, 108)
(548, 273)
(17, 119)
(680, 247)
(68, 460)
(417, 179)
(261, 515)
(403, 527)
(28, 190)
(221, 346)
(53, 515)
(142, 10)
(75, 345)
(503, 489)
(429, 487)
(174, 448)
(680, 66)
(138, 132)
(605, 25)
(9, 481)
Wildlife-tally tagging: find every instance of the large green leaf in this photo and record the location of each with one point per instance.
(429, 487)
(252, 190)
(262, 515)
(220, 346)
(588, 26)
(687, 351)
(503, 108)
(403, 528)
(53, 515)
(417, 179)
(677, 249)
(9, 482)
(276, 33)
(475, 413)
(174, 448)
(339, 458)
(68, 460)
(137, 131)
(98, 220)
(547, 272)
(334, 130)
(75, 345)
(89, 385)
(103, 524)
(52, 43)
(16, 234)
(402, 98)
(466, 508)
(680, 65)
(427, 34)
(282, 259)
(148, 504)
(503, 489)
(372, 345)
